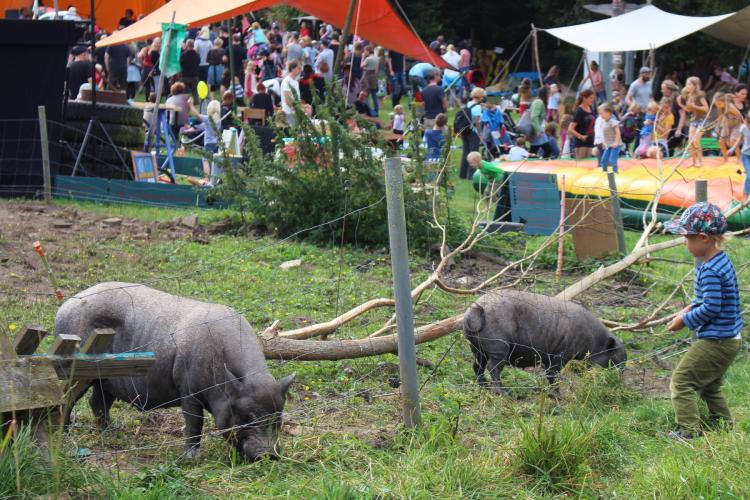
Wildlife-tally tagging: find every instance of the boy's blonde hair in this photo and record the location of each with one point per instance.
(605, 106)
(719, 240)
(474, 158)
(652, 108)
(635, 108)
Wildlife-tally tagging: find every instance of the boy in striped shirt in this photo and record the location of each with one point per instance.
(714, 316)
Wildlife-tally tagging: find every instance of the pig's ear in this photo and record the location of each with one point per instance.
(232, 382)
(611, 344)
(285, 383)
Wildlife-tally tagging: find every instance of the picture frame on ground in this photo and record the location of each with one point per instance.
(145, 167)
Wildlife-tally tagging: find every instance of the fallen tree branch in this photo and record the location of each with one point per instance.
(333, 325)
(276, 347)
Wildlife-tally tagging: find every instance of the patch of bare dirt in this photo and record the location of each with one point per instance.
(64, 231)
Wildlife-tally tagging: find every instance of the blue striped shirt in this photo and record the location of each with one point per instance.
(716, 307)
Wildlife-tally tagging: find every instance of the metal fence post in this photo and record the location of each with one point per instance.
(394, 191)
(616, 215)
(701, 190)
(45, 153)
(701, 194)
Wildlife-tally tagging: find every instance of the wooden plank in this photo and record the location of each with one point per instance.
(6, 347)
(593, 227)
(28, 340)
(99, 341)
(27, 384)
(94, 366)
(65, 344)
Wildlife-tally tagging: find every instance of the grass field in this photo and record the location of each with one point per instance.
(342, 438)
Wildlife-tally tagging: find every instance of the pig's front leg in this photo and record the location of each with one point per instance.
(192, 410)
(496, 363)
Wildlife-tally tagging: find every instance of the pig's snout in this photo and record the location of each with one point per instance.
(254, 451)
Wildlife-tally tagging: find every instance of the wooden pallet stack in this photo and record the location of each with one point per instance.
(39, 388)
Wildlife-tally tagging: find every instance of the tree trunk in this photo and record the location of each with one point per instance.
(275, 347)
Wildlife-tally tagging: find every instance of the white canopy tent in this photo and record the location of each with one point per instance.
(650, 27)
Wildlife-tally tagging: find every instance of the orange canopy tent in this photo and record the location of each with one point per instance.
(108, 12)
(374, 20)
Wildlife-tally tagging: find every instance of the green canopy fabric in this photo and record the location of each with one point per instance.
(169, 59)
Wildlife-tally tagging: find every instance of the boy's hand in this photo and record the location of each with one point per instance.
(677, 323)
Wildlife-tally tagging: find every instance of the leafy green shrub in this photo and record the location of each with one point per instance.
(327, 172)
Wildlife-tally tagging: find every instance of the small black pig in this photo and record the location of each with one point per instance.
(207, 358)
(526, 329)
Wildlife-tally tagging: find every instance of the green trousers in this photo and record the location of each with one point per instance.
(700, 373)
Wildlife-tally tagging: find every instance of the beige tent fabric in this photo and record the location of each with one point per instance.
(734, 29)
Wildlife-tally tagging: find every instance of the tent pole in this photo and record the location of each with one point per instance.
(652, 59)
(344, 38)
(580, 62)
(535, 41)
(231, 64)
(159, 91)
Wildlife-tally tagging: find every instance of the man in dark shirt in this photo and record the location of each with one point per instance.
(396, 74)
(239, 52)
(116, 62)
(79, 71)
(434, 100)
(128, 19)
(190, 61)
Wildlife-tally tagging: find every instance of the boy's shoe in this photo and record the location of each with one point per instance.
(681, 435)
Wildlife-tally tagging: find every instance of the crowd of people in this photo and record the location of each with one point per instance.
(269, 68)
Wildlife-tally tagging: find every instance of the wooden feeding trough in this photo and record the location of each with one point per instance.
(42, 387)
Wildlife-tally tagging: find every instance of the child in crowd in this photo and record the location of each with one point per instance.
(397, 123)
(662, 127)
(553, 104)
(647, 130)
(745, 151)
(210, 124)
(607, 138)
(239, 92)
(728, 122)
(435, 138)
(629, 124)
(493, 131)
(567, 148)
(550, 130)
(148, 113)
(714, 315)
(693, 102)
(497, 182)
(524, 96)
(618, 106)
(518, 152)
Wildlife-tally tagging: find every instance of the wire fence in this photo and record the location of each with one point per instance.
(226, 335)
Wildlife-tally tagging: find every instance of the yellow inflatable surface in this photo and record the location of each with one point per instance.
(638, 180)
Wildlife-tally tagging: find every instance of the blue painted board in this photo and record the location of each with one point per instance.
(535, 202)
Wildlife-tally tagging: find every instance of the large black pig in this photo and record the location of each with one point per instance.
(526, 329)
(207, 358)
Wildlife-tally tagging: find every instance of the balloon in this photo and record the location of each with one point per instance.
(202, 90)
